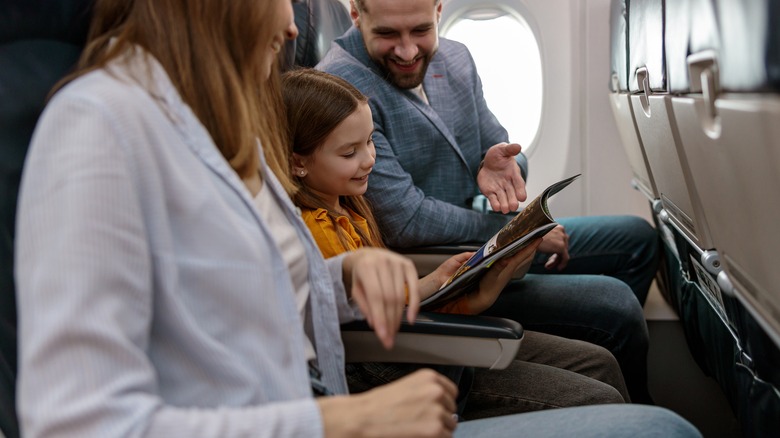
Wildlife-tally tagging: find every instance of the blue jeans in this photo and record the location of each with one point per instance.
(582, 302)
(623, 247)
(593, 308)
(602, 421)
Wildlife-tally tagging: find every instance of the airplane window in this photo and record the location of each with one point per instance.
(507, 55)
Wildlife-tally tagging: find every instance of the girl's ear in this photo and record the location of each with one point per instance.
(298, 165)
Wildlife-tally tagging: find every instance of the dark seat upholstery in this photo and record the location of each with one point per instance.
(40, 42)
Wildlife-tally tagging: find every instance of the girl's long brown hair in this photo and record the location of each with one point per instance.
(316, 104)
(212, 50)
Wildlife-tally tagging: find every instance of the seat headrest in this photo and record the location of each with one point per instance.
(319, 22)
(618, 21)
(63, 20)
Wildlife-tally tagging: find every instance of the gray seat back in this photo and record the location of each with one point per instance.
(319, 22)
(620, 99)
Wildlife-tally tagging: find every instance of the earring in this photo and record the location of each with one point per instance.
(303, 172)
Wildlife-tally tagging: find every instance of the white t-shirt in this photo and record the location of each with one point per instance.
(420, 91)
(293, 252)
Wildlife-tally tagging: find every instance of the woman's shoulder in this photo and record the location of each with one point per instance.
(99, 84)
(104, 99)
(126, 85)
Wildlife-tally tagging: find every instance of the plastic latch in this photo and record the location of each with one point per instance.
(643, 81)
(724, 282)
(704, 75)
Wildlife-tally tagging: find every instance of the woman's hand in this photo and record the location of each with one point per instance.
(379, 281)
(421, 404)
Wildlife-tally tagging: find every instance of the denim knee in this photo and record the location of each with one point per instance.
(621, 307)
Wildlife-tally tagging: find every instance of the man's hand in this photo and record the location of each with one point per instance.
(379, 281)
(556, 242)
(499, 178)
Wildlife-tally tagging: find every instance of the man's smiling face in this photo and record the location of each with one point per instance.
(401, 36)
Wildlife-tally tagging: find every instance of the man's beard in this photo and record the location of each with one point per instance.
(405, 81)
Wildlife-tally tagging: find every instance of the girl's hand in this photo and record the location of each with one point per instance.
(499, 275)
(433, 281)
(379, 281)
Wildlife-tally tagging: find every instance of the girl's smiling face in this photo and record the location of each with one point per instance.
(340, 166)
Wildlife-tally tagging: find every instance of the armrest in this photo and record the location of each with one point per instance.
(442, 339)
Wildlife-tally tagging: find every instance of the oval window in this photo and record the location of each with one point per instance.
(508, 60)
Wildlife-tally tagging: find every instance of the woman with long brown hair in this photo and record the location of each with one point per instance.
(154, 227)
(164, 280)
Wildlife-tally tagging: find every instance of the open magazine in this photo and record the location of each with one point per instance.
(531, 222)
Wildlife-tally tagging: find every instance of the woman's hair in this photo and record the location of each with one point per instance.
(316, 103)
(212, 50)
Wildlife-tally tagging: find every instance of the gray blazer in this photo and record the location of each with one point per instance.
(427, 155)
(152, 298)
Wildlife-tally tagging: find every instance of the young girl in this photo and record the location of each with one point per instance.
(330, 129)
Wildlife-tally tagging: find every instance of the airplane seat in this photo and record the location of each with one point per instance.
(723, 77)
(658, 32)
(689, 23)
(39, 43)
(620, 99)
(655, 28)
(620, 96)
(319, 22)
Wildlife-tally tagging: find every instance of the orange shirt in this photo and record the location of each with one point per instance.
(325, 234)
(323, 229)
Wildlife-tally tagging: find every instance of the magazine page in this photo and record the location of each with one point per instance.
(530, 223)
